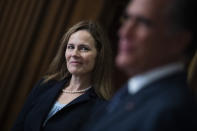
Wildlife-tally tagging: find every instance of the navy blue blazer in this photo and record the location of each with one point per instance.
(40, 102)
(164, 105)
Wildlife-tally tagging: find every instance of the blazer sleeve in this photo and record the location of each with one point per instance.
(19, 123)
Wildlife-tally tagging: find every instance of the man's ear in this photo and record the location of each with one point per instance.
(185, 39)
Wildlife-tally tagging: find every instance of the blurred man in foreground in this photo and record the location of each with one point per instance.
(157, 41)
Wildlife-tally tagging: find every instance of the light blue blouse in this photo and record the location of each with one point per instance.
(56, 107)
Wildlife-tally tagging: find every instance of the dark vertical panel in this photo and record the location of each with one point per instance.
(7, 7)
(3, 6)
(86, 10)
(15, 54)
(8, 56)
(7, 26)
(11, 39)
(18, 42)
(26, 27)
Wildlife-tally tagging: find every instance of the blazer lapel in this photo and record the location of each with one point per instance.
(82, 98)
(46, 102)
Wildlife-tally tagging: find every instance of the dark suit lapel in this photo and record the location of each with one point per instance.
(176, 80)
(118, 99)
(130, 102)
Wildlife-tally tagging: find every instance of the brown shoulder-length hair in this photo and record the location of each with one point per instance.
(101, 78)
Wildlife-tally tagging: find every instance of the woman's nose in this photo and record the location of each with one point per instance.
(75, 52)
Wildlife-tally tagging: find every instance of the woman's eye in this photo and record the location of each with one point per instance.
(84, 48)
(70, 47)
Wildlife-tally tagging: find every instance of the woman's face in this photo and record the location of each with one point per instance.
(81, 53)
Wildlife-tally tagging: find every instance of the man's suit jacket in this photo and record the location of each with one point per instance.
(40, 102)
(164, 105)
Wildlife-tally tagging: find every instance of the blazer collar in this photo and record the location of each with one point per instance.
(46, 101)
(90, 94)
(51, 95)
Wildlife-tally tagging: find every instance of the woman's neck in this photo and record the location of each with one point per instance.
(78, 82)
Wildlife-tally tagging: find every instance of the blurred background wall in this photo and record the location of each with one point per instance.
(30, 31)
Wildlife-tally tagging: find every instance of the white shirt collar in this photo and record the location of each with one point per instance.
(137, 82)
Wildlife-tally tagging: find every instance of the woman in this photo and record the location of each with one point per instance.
(79, 76)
